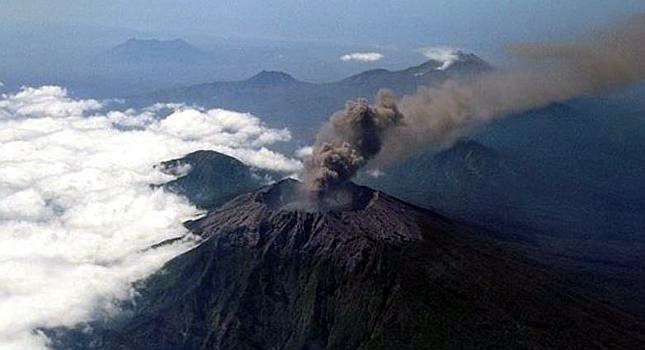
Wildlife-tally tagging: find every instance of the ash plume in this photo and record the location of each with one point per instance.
(437, 116)
(349, 140)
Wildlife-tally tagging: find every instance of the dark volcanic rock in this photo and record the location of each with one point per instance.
(377, 274)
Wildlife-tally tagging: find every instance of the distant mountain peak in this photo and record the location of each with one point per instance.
(175, 50)
(452, 61)
(469, 59)
(272, 78)
(437, 68)
(441, 58)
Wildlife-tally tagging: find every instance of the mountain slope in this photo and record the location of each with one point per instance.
(376, 273)
(282, 100)
(561, 183)
(464, 180)
(209, 178)
(429, 73)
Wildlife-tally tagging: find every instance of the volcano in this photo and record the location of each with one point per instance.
(363, 270)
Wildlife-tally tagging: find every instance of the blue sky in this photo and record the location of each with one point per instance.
(57, 41)
(404, 22)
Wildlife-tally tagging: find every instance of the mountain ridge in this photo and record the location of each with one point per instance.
(208, 178)
(379, 274)
(284, 101)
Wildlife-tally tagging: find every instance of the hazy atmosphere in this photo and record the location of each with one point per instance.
(72, 42)
(322, 174)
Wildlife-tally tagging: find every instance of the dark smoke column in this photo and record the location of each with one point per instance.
(349, 140)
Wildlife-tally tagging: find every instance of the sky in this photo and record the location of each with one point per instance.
(75, 200)
(60, 41)
(406, 22)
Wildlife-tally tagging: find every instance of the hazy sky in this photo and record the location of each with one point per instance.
(56, 41)
(403, 22)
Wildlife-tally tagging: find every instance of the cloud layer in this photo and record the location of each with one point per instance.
(362, 56)
(77, 214)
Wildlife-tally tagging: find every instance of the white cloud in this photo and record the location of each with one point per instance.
(76, 212)
(362, 56)
(51, 101)
(444, 55)
(304, 152)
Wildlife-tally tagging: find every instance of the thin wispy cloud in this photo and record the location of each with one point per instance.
(446, 56)
(362, 57)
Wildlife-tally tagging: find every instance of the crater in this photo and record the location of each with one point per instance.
(292, 195)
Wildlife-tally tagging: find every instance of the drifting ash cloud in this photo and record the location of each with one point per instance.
(77, 214)
(437, 116)
(362, 57)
